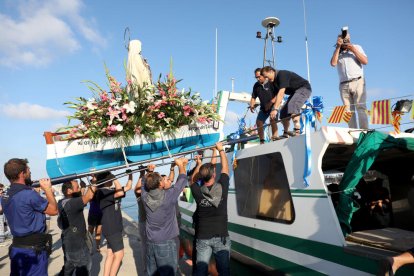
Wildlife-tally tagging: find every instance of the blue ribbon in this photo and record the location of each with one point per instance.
(309, 114)
(236, 135)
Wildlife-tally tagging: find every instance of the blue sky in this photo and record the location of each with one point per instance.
(47, 48)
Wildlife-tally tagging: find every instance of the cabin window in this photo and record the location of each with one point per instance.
(262, 189)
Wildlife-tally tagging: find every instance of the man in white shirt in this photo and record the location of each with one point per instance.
(350, 58)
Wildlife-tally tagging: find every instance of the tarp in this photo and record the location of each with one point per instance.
(369, 145)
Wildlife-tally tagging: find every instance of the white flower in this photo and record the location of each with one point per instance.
(119, 128)
(91, 104)
(129, 107)
(113, 102)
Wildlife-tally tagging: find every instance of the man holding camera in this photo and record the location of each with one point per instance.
(350, 58)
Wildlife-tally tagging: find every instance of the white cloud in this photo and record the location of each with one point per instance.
(31, 111)
(231, 118)
(43, 30)
(381, 93)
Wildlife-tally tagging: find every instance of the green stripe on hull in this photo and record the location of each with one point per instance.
(306, 191)
(320, 250)
(273, 261)
(310, 196)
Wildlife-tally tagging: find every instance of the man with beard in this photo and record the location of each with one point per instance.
(76, 251)
(25, 211)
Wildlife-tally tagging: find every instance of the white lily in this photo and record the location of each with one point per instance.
(129, 107)
(91, 104)
(119, 128)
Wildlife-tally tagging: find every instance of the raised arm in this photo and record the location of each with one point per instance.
(128, 186)
(90, 192)
(335, 55)
(171, 176)
(214, 156)
(46, 186)
(196, 169)
(223, 158)
(119, 192)
(138, 185)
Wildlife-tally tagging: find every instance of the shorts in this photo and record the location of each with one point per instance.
(115, 242)
(295, 102)
(94, 220)
(262, 116)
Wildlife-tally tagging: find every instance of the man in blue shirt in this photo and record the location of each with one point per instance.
(25, 211)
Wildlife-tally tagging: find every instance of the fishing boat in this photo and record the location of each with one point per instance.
(305, 205)
(277, 223)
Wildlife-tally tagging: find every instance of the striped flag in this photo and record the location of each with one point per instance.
(319, 116)
(337, 115)
(412, 111)
(347, 116)
(381, 112)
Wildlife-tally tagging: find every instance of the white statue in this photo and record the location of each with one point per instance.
(138, 70)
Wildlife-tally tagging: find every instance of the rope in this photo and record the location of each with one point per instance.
(165, 143)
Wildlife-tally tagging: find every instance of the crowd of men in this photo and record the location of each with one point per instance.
(25, 210)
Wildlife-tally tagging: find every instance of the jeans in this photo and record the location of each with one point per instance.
(143, 237)
(162, 258)
(78, 261)
(220, 247)
(2, 230)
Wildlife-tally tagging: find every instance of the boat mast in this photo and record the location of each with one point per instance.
(269, 23)
(215, 70)
(306, 41)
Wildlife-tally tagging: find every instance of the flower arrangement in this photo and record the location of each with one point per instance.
(126, 111)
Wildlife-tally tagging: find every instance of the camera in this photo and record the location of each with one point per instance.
(344, 33)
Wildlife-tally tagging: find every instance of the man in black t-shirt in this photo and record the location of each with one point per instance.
(298, 89)
(266, 93)
(72, 222)
(210, 218)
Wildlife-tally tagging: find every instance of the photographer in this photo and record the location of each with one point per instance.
(350, 58)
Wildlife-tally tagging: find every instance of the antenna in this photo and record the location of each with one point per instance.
(269, 23)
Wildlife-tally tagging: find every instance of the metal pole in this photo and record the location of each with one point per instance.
(62, 179)
(215, 70)
(306, 41)
(264, 50)
(273, 47)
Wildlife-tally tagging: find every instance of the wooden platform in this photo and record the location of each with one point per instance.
(393, 239)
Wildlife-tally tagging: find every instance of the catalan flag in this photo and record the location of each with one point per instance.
(412, 112)
(318, 116)
(347, 116)
(381, 112)
(340, 115)
(396, 119)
